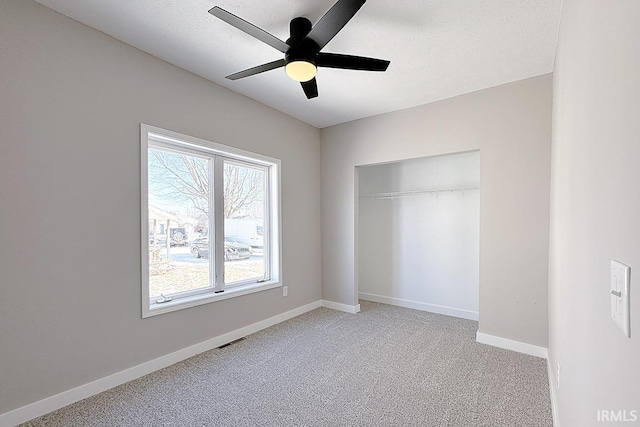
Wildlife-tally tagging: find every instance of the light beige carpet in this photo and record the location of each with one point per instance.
(385, 366)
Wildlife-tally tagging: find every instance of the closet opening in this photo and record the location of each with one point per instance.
(418, 233)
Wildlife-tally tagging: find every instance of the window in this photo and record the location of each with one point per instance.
(210, 221)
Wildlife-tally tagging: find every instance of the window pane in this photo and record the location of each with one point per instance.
(244, 222)
(178, 222)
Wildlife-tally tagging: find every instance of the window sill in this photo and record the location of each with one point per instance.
(192, 301)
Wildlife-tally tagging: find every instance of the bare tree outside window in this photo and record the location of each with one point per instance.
(180, 179)
(243, 191)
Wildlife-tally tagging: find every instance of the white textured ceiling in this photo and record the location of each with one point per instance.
(438, 48)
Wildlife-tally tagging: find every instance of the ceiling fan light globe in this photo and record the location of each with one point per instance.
(301, 71)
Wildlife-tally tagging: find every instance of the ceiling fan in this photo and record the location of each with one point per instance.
(301, 51)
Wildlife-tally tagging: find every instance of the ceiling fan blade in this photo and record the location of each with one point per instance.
(310, 88)
(257, 70)
(333, 21)
(349, 62)
(249, 28)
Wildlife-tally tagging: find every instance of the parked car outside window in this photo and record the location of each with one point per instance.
(233, 249)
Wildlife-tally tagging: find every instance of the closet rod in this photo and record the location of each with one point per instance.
(414, 193)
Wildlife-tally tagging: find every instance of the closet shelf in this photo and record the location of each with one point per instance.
(417, 193)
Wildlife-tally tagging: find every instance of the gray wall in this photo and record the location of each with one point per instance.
(71, 102)
(511, 126)
(595, 213)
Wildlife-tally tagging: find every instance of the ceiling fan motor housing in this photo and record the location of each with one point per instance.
(302, 48)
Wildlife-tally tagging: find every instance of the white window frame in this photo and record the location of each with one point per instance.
(267, 216)
(272, 231)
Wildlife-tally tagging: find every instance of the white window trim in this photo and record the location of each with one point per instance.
(220, 214)
(274, 220)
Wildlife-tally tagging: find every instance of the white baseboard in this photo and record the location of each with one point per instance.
(520, 347)
(49, 404)
(552, 394)
(341, 307)
(432, 308)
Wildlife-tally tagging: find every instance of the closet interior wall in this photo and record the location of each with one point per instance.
(418, 233)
